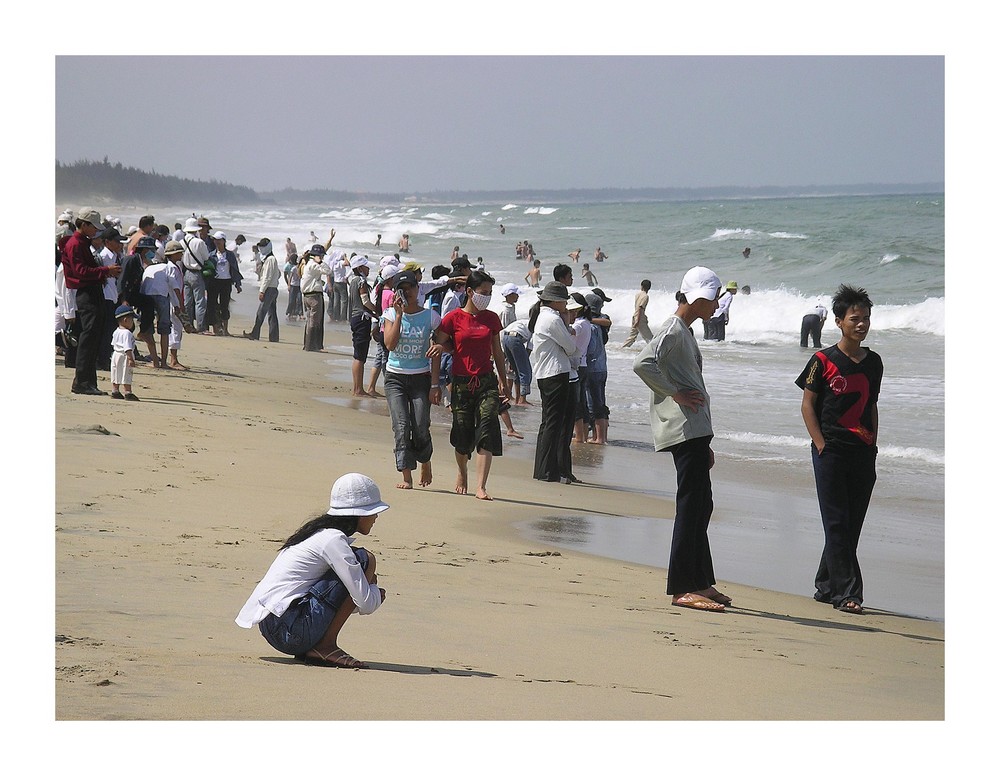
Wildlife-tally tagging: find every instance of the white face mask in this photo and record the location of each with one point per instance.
(481, 301)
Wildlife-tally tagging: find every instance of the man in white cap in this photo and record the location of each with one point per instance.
(84, 274)
(270, 274)
(681, 420)
(195, 256)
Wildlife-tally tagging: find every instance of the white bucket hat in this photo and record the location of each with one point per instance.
(355, 494)
(192, 225)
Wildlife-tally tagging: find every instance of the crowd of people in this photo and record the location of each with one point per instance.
(437, 343)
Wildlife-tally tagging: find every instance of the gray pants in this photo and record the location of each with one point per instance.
(195, 298)
(338, 302)
(268, 307)
(410, 410)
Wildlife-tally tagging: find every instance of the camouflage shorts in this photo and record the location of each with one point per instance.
(475, 415)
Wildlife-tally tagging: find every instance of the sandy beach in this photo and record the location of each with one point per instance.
(169, 510)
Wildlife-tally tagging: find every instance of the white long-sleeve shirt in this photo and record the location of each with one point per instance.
(313, 276)
(553, 345)
(299, 567)
(270, 274)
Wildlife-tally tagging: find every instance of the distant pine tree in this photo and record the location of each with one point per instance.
(120, 183)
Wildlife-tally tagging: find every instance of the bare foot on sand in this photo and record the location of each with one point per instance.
(177, 365)
(425, 474)
(462, 483)
(482, 495)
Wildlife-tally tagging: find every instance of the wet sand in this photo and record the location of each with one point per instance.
(165, 523)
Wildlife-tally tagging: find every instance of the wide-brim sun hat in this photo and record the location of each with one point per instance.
(572, 304)
(191, 225)
(355, 494)
(700, 283)
(360, 261)
(732, 285)
(317, 250)
(554, 291)
(92, 217)
(173, 247)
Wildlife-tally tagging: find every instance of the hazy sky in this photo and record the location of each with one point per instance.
(423, 123)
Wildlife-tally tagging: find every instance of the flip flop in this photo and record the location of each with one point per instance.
(851, 607)
(721, 598)
(336, 659)
(692, 601)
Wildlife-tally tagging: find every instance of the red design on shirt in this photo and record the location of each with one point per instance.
(856, 383)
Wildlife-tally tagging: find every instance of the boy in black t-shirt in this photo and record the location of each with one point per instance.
(840, 386)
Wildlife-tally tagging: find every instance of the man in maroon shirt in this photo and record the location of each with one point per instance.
(85, 274)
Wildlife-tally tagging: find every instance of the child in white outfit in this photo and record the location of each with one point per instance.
(123, 358)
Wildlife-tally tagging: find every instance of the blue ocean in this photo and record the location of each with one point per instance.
(801, 249)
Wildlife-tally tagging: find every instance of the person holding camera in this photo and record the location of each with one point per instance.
(411, 377)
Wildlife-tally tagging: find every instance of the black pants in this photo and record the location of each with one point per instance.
(105, 349)
(90, 319)
(715, 329)
(219, 295)
(811, 325)
(690, 564)
(845, 479)
(549, 456)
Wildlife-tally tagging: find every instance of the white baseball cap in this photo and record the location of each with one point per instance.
(510, 288)
(700, 283)
(219, 236)
(360, 261)
(355, 494)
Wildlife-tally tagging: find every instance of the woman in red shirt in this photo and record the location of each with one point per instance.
(478, 388)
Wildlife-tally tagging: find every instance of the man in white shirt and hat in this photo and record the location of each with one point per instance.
(195, 256)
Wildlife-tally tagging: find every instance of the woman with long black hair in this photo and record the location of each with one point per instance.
(319, 580)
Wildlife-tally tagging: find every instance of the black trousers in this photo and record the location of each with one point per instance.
(811, 325)
(690, 564)
(90, 319)
(550, 459)
(845, 479)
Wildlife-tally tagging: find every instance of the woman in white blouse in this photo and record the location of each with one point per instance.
(319, 580)
(554, 346)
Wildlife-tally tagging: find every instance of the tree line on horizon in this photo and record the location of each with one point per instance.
(86, 178)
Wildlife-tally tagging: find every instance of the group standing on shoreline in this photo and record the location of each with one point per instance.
(439, 343)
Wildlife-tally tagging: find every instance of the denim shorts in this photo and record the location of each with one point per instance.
(307, 620)
(162, 306)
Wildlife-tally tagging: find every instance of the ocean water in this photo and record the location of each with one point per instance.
(801, 250)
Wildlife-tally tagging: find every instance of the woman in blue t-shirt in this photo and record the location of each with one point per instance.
(411, 379)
